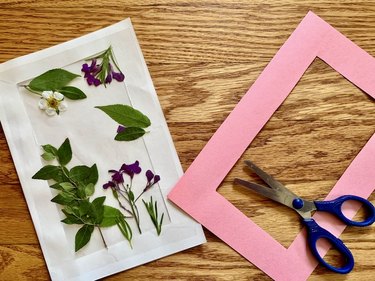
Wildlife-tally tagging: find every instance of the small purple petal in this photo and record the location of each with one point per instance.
(120, 129)
(149, 175)
(118, 76)
(156, 179)
(93, 64)
(118, 177)
(96, 69)
(109, 184)
(97, 82)
(90, 79)
(108, 79)
(85, 68)
(131, 169)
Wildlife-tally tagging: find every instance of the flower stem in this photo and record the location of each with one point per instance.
(101, 234)
(136, 215)
(32, 91)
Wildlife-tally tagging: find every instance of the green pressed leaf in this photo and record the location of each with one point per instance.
(50, 149)
(83, 236)
(89, 189)
(72, 93)
(130, 133)
(52, 80)
(48, 156)
(67, 186)
(125, 229)
(131, 195)
(126, 115)
(56, 186)
(93, 175)
(62, 176)
(47, 173)
(81, 193)
(84, 174)
(114, 192)
(96, 211)
(64, 153)
(84, 207)
(110, 216)
(63, 198)
(71, 219)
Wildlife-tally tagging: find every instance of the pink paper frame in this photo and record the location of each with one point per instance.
(196, 191)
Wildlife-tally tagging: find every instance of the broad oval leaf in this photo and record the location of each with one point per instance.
(48, 156)
(130, 133)
(67, 186)
(110, 216)
(83, 236)
(84, 207)
(97, 209)
(50, 149)
(72, 93)
(64, 153)
(70, 219)
(126, 115)
(63, 198)
(47, 173)
(89, 189)
(131, 195)
(85, 175)
(51, 80)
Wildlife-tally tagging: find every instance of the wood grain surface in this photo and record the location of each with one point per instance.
(203, 56)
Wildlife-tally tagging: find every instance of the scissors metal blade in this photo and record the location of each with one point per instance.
(267, 178)
(277, 191)
(268, 192)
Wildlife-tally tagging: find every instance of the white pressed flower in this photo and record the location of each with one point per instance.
(63, 106)
(47, 94)
(58, 96)
(43, 104)
(52, 103)
(50, 111)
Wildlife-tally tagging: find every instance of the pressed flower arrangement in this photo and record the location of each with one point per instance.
(52, 88)
(75, 186)
(103, 69)
(125, 195)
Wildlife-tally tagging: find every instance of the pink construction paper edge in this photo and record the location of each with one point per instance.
(196, 192)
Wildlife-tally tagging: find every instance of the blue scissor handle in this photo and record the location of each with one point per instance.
(314, 233)
(334, 207)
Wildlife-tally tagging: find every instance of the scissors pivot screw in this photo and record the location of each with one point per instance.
(297, 203)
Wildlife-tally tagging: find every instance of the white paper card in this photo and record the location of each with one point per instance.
(91, 133)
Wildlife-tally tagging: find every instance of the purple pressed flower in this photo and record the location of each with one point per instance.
(108, 79)
(109, 184)
(97, 82)
(90, 79)
(120, 129)
(103, 69)
(117, 176)
(131, 169)
(118, 76)
(156, 179)
(151, 180)
(85, 68)
(149, 175)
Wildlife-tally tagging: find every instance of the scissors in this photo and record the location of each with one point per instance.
(278, 192)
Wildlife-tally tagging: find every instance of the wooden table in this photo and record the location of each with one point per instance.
(203, 56)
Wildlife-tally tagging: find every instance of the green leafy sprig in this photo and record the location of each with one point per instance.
(56, 80)
(132, 121)
(152, 209)
(75, 186)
